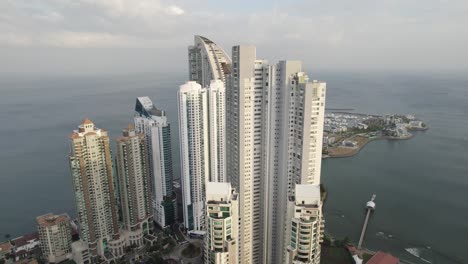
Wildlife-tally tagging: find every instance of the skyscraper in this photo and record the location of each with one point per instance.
(274, 124)
(193, 139)
(134, 180)
(152, 122)
(207, 61)
(55, 234)
(276, 134)
(307, 108)
(202, 140)
(217, 130)
(245, 147)
(93, 187)
(221, 244)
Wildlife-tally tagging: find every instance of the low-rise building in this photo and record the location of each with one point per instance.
(350, 143)
(23, 245)
(305, 229)
(362, 126)
(81, 254)
(5, 248)
(55, 235)
(383, 258)
(221, 230)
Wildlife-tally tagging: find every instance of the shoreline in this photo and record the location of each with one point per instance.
(354, 151)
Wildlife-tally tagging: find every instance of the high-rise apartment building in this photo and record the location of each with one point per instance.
(306, 119)
(207, 61)
(93, 187)
(276, 133)
(217, 130)
(304, 233)
(274, 124)
(221, 244)
(202, 140)
(307, 110)
(246, 147)
(134, 180)
(152, 122)
(55, 234)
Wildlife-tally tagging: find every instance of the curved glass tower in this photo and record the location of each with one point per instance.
(207, 61)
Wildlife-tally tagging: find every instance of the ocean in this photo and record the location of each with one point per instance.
(421, 184)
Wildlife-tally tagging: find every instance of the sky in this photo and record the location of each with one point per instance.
(121, 36)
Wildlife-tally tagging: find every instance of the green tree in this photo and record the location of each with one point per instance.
(346, 241)
(155, 259)
(326, 241)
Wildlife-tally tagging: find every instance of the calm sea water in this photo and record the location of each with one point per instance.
(421, 184)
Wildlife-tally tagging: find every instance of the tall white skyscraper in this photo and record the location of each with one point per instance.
(93, 186)
(207, 61)
(133, 171)
(305, 119)
(246, 147)
(276, 133)
(221, 243)
(274, 124)
(152, 122)
(202, 140)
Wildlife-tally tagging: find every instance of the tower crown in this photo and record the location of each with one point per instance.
(86, 126)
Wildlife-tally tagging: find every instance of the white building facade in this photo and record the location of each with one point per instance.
(274, 134)
(304, 232)
(221, 244)
(245, 147)
(275, 126)
(202, 140)
(152, 122)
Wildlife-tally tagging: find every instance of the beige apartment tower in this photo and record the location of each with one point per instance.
(93, 188)
(133, 171)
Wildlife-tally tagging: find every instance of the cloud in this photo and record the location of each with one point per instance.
(322, 31)
(52, 17)
(86, 39)
(175, 10)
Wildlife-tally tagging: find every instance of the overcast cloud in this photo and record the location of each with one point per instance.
(145, 35)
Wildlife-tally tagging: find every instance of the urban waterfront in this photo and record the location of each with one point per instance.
(420, 183)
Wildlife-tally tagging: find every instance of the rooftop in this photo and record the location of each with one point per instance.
(86, 121)
(383, 258)
(307, 194)
(218, 191)
(144, 106)
(5, 247)
(50, 219)
(24, 240)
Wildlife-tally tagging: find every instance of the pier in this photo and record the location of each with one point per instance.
(370, 207)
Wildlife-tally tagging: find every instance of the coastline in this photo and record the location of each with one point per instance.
(345, 152)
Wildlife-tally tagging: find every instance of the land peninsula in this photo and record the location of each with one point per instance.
(345, 133)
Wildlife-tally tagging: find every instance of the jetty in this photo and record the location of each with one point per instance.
(370, 208)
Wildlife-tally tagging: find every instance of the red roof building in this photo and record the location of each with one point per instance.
(383, 258)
